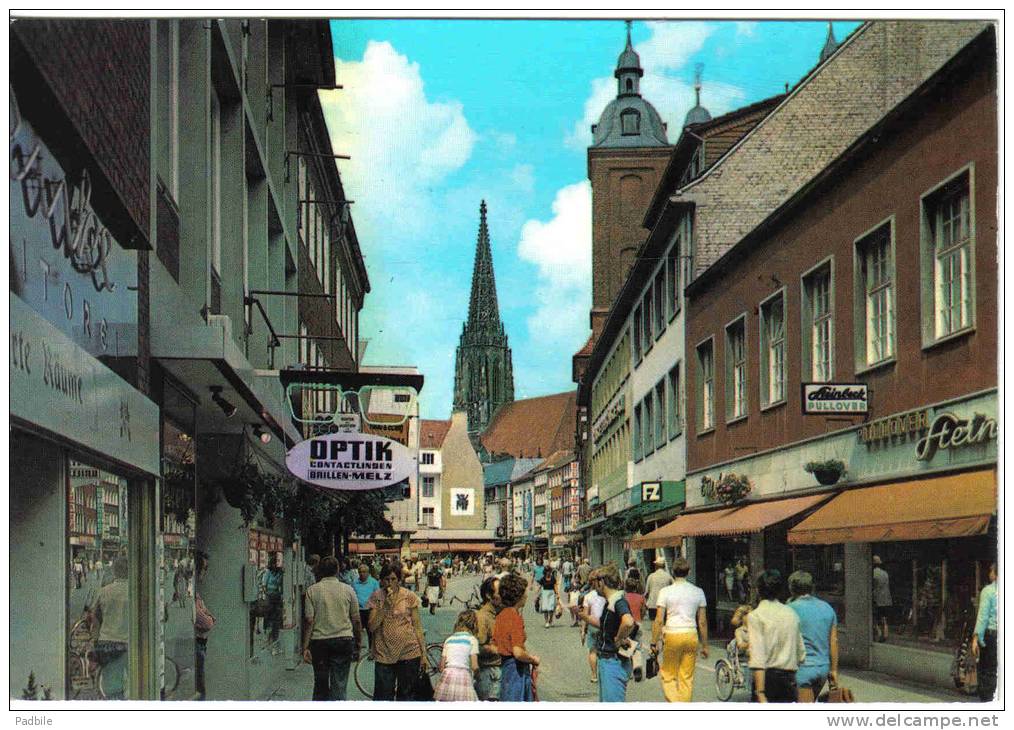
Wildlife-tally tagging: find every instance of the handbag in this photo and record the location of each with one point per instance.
(538, 602)
(261, 608)
(651, 666)
(835, 694)
(423, 690)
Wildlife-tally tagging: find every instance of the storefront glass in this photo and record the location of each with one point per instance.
(933, 586)
(733, 584)
(826, 563)
(100, 600)
(177, 565)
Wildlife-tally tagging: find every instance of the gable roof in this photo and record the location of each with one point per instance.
(533, 427)
(433, 433)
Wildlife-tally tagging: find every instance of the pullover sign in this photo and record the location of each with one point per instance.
(351, 461)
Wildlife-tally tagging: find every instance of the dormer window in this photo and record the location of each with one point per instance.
(630, 121)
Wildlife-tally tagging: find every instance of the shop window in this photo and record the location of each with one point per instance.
(826, 563)
(735, 364)
(875, 319)
(933, 586)
(177, 559)
(732, 571)
(772, 350)
(948, 244)
(818, 324)
(101, 599)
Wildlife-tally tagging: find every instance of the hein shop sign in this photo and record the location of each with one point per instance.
(351, 461)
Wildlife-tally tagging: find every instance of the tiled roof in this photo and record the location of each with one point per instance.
(433, 433)
(556, 460)
(533, 427)
(499, 472)
(588, 347)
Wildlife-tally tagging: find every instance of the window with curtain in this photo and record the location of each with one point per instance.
(877, 280)
(773, 349)
(706, 368)
(735, 338)
(949, 216)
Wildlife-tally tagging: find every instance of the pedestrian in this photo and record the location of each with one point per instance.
(487, 680)
(419, 570)
(635, 599)
(819, 626)
(567, 571)
(881, 599)
(740, 643)
(984, 640)
(310, 575)
(776, 643)
(633, 572)
(516, 663)
(333, 633)
(365, 586)
(408, 574)
(204, 622)
(657, 580)
(459, 662)
(435, 584)
(680, 629)
(538, 571)
(616, 625)
(272, 583)
(549, 595)
(112, 614)
(399, 648)
(592, 606)
(583, 572)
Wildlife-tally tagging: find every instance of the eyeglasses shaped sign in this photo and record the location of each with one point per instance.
(351, 461)
(379, 405)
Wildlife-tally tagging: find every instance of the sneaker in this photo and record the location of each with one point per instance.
(547, 625)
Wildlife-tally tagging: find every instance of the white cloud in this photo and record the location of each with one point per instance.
(560, 249)
(667, 83)
(523, 176)
(401, 143)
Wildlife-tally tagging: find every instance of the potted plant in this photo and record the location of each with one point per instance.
(826, 472)
(732, 488)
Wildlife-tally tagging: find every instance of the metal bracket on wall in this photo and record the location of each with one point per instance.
(251, 300)
(300, 153)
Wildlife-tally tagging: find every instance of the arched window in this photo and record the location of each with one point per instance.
(630, 121)
(630, 84)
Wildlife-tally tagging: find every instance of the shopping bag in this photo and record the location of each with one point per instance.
(423, 690)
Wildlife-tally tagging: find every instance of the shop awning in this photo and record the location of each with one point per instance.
(753, 518)
(958, 505)
(687, 525)
(470, 547)
(425, 546)
(361, 548)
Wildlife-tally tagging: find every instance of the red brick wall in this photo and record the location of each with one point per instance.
(623, 182)
(99, 73)
(950, 128)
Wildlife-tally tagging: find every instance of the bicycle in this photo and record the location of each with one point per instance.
(729, 674)
(963, 666)
(473, 602)
(363, 672)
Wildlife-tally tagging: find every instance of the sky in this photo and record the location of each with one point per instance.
(438, 115)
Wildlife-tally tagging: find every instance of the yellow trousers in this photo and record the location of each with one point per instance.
(679, 658)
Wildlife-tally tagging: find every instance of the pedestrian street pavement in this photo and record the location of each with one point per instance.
(564, 674)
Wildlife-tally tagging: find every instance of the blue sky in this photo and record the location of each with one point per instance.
(438, 114)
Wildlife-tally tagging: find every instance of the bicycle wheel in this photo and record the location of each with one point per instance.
(172, 676)
(363, 676)
(77, 676)
(723, 679)
(433, 653)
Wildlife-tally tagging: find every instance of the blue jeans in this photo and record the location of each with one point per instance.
(331, 661)
(614, 673)
(396, 681)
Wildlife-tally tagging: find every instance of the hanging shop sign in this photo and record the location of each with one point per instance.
(351, 461)
(395, 431)
(948, 431)
(835, 398)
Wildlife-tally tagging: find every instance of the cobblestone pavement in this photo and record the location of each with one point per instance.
(564, 675)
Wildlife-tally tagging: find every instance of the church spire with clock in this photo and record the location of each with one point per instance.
(483, 373)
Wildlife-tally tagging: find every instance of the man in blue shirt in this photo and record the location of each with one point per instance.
(819, 626)
(615, 628)
(365, 585)
(984, 640)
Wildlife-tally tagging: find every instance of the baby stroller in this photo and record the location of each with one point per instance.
(730, 672)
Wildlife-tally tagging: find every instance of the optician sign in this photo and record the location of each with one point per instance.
(846, 398)
(351, 461)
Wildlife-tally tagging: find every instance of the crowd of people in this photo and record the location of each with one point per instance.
(791, 648)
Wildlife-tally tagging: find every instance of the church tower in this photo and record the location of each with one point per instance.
(483, 373)
(626, 160)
